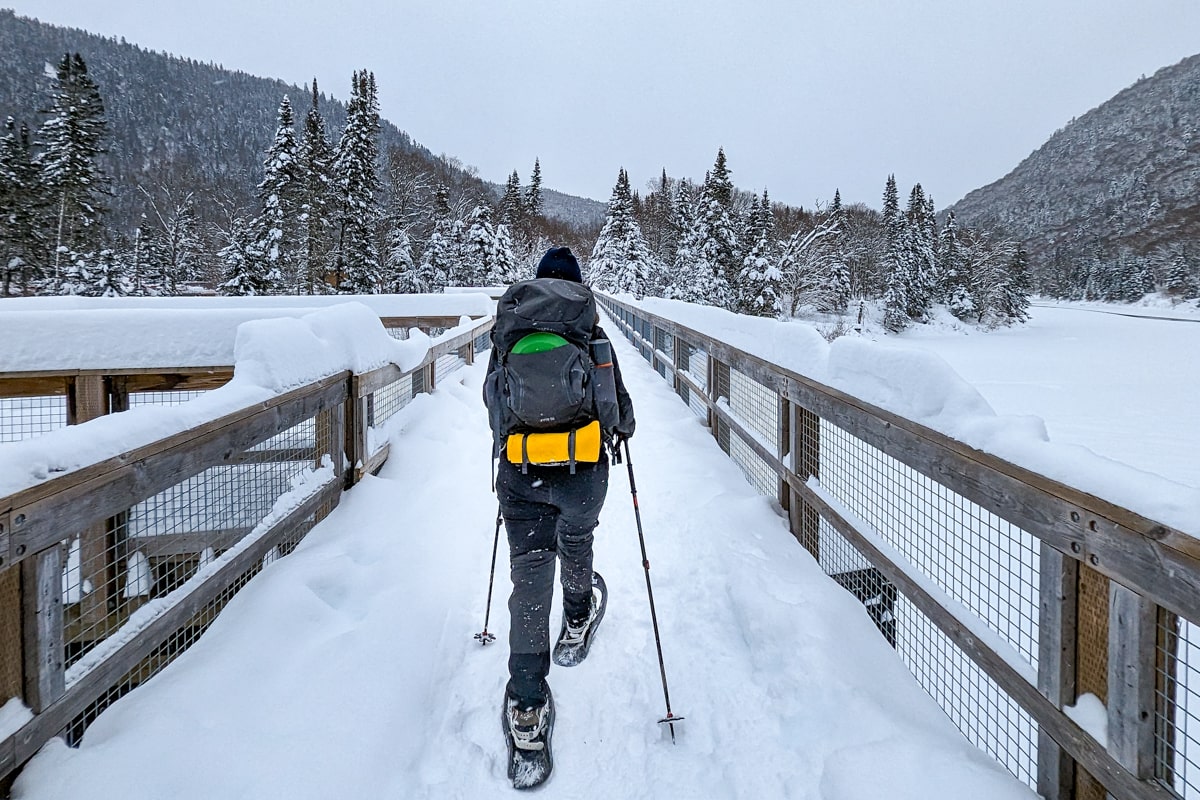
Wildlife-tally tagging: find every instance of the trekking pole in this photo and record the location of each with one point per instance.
(483, 636)
(670, 718)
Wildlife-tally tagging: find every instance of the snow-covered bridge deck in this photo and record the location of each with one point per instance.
(1012, 575)
(349, 669)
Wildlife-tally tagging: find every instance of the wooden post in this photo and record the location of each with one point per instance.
(680, 348)
(784, 446)
(1132, 658)
(355, 437)
(89, 399)
(12, 670)
(1091, 659)
(330, 438)
(42, 628)
(1056, 665)
(804, 520)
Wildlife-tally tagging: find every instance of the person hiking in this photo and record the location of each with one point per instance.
(557, 407)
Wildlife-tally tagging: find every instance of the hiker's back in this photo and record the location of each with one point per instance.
(542, 334)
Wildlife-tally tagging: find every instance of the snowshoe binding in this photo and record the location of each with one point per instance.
(575, 640)
(527, 733)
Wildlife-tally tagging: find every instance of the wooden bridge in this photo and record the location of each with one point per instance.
(1008, 594)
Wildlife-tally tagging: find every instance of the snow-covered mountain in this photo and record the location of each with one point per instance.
(1122, 178)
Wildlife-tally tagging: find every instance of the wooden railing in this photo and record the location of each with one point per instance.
(109, 571)
(1008, 593)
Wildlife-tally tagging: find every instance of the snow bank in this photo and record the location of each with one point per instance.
(271, 356)
(921, 386)
(151, 332)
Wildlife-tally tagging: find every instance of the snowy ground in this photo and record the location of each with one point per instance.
(348, 669)
(1125, 387)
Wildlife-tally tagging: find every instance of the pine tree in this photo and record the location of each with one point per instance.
(621, 261)
(954, 288)
(243, 269)
(439, 261)
(1014, 303)
(356, 264)
(110, 275)
(759, 280)
(917, 254)
(838, 287)
(1180, 280)
(718, 246)
(71, 139)
(75, 276)
(403, 276)
(276, 231)
(512, 207)
(314, 158)
(533, 196)
(22, 240)
(479, 249)
(896, 301)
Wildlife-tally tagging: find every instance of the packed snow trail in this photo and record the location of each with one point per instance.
(348, 669)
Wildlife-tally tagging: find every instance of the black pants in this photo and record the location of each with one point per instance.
(549, 515)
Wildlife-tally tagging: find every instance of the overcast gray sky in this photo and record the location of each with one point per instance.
(805, 97)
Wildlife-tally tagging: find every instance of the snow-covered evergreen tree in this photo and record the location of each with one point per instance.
(759, 280)
(22, 240)
(512, 206)
(1181, 281)
(75, 275)
(896, 302)
(954, 288)
(71, 139)
(403, 277)
(691, 278)
(506, 267)
(276, 229)
(838, 287)
(621, 261)
(918, 261)
(480, 258)
(356, 173)
(314, 158)
(718, 241)
(110, 275)
(533, 195)
(244, 269)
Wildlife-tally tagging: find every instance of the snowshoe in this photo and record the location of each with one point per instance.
(575, 641)
(527, 734)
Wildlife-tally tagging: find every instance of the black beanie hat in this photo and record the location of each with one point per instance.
(560, 263)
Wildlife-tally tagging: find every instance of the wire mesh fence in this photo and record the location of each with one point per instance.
(26, 417)
(115, 568)
(1177, 714)
(172, 398)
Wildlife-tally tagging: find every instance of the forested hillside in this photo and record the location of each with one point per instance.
(1109, 206)
(183, 138)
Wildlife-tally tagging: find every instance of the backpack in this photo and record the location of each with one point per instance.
(546, 378)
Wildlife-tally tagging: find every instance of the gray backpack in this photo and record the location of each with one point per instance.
(547, 379)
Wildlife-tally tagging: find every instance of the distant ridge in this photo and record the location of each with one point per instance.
(1124, 177)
